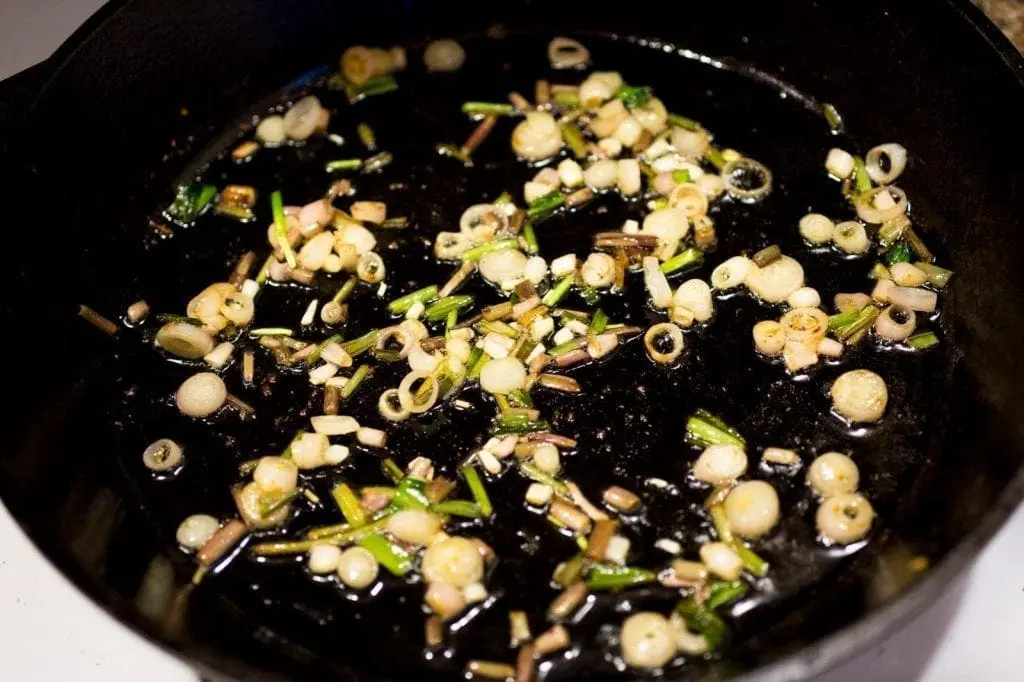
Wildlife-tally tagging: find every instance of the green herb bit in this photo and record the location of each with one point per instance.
(439, 310)
(497, 327)
(612, 577)
(488, 109)
(392, 470)
(879, 271)
(281, 227)
(567, 346)
(247, 467)
(899, 253)
(923, 340)
(566, 99)
(396, 223)
(481, 250)
(171, 317)
(634, 96)
(502, 402)
(862, 183)
(840, 320)
(532, 472)
(464, 508)
(590, 295)
(682, 260)
(865, 318)
(544, 206)
(344, 536)
(411, 494)
(264, 273)
(937, 276)
(447, 149)
(360, 345)
(834, 118)
(503, 198)
(315, 355)
(510, 424)
(918, 246)
(451, 321)
(349, 505)
(476, 486)
(520, 398)
(723, 593)
(683, 122)
(354, 382)
(377, 162)
(658, 204)
(343, 165)
(235, 211)
(704, 429)
(402, 305)
(680, 176)
(270, 331)
(891, 231)
(388, 554)
(574, 138)
(599, 322)
(558, 292)
(268, 507)
(530, 237)
(715, 158)
(702, 620)
(751, 561)
(189, 202)
(378, 85)
(346, 290)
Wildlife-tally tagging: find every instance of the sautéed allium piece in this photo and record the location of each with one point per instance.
(590, 134)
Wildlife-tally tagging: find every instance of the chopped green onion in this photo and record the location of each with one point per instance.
(354, 382)
(521, 398)
(684, 259)
(190, 200)
(270, 331)
(574, 138)
(268, 507)
(840, 320)
(366, 136)
(879, 271)
(488, 108)
(476, 486)
(346, 290)
(281, 227)
(503, 198)
(236, 211)
(315, 355)
(402, 305)
(545, 205)
(386, 355)
(891, 231)
(349, 505)
(723, 593)
(715, 158)
(704, 429)
(832, 115)
(702, 620)
(464, 508)
(497, 327)
(508, 424)
(481, 250)
(862, 183)
(476, 363)
(344, 536)
(361, 344)
(264, 273)
(917, 245)
(683, 122)
(392, 470)
(439, 310)
(539, 476)
(446, 149)
(530, 237)
(567, 346)
(899, 253)
(612, 577)
(410, 493)
(396, 223)
(923, 340)
(751, 561)
(599, 322)
(171, 317)
(388, 554)
(377, 162)
(378, 85)
(450, 322)
(865, 318)
(634, 96)
(558, 292)
(937, 276)
(680, 176)
(343, 164)
(566, 99)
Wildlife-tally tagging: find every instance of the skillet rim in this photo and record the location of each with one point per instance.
(807, 662)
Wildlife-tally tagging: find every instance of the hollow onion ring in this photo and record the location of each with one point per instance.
(674, 333)
(390, 407)
(408, 399)
(805, 324)
(889, 327)
(897, 162)
(403, 336)
(690, 199)
(744, 165)
(566, 53)
(865, 205)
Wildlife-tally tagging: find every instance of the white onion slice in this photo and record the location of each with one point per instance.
(657, 284)
(920, 300)
(482, 222)
(503, 375)
(503, 266)
(746, 166)
(674, 334)
(869, 213)
(566, 53)
(409, 401)
(390, 407)
(776, 281)
(896, 323)
(897, 155)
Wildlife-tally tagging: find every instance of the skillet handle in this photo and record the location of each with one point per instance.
(17, 95)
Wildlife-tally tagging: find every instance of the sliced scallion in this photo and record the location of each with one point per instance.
(704, 429)
(922, 340)
(476, 487)
(488, 109)
(354, 382)
(439, 310)
(281, 227)
(481, 250)
(680, 261)
(401, 305)
(389, 555)
(349, 505)
(612, 577)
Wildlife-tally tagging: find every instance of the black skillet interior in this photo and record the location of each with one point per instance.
(109, 132)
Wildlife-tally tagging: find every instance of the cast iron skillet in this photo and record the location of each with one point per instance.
(98, 133)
